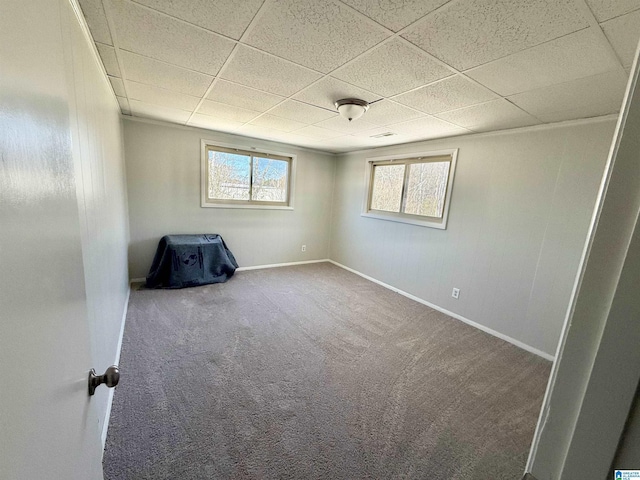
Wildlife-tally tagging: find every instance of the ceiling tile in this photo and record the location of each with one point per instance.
(392, 68)
(244, 97)
(301, 140)
(382, 141)
(606, 9)
(596, 109)
(214, 123)
(448, 94)
(266, 72)
(317, 132)
(298, 140)
(256, 131)
(494, 115)
(124, 105)
(161, 96)
(109, 60)
(393, 14)
(374, 131)
(169, 56)
(427, 127)
(96, 20)
(470, 33)
(118, 86)
(577, 55)
(228, 17)
(585, 97)
(351, 143)
(319, 35)
(624, 33)
(155, 35)
(141, 109)
(387, 141)
(302, 112)
(344, 126)
(329, 90)
(277, 123)
(227, 112)
(154, 72)
(386, 112)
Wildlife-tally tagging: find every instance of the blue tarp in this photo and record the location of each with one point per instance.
(189, 260)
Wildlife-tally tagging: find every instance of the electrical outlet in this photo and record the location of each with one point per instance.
(304, 248)
(455, 293)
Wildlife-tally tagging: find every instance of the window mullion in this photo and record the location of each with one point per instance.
(251, 179)
(207, 173)
(405, 180)
(371, 177)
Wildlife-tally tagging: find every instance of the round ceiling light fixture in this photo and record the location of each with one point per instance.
(351, 108)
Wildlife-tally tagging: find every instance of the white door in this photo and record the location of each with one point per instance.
(48, 429)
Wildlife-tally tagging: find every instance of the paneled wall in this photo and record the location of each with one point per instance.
(63, 242)
(98, 152)
(163, 176)
(521, 205)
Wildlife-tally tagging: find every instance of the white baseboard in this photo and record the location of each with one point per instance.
(105, 425)
(257, 267)
(488, 330)
(276, 265)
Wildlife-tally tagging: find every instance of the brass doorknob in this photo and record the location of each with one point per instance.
(110, 378)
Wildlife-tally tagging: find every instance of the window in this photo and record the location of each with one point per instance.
(239, 178)
(414, 189)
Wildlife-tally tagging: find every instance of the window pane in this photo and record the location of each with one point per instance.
(269, 180)
(426, 188)
(387, 187)
(229, 176)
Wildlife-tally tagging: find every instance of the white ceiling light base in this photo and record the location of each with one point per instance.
(351, 108)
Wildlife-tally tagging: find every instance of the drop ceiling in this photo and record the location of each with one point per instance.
(430, 68)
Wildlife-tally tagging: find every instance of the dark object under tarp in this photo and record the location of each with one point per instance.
(189, 260)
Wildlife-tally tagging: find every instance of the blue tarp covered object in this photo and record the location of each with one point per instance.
(189, 260)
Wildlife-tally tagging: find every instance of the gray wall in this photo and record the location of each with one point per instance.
(628, 455)
(520, 210)
(163, 178)
(98, 153)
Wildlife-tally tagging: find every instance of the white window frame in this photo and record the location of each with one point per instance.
(423, 221)
(204, 202)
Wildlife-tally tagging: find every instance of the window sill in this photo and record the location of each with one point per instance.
(411, 221)
(249, 207)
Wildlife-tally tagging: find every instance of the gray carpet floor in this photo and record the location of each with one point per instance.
(312, 372)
